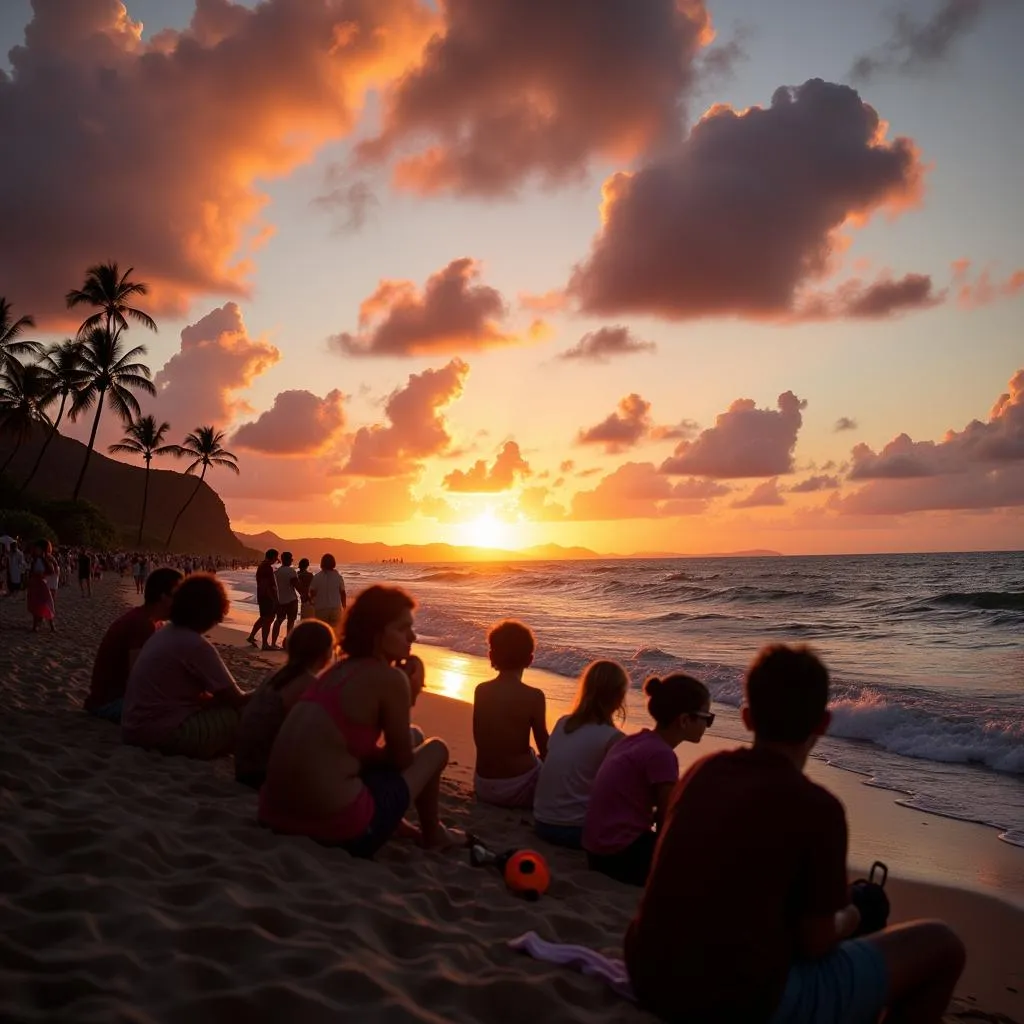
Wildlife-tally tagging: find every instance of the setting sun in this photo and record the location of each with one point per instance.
(485, 532)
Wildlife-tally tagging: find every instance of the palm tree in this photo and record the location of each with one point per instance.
(66, 377)
(203, 447)
(109, 290)
(10, 330)
(23, 391)
(143, 437)
(110, 376)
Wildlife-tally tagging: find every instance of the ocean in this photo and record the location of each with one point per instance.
(926, 652)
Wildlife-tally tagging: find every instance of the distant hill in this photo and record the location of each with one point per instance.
(116, 488)
(351, 551)
(752, 553)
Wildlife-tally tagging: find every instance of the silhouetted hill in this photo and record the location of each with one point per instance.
(350, 551)
(116, 488)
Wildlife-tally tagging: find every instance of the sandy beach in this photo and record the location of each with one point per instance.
(136, 887)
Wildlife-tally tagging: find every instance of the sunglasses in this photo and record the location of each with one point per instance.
(708, 716)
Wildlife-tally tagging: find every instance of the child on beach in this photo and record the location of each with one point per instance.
(180, 697)
(303, 578)
(505, 712)
(747, 914)
(577, 747)
(310, 648)
(632, 787)
(122, 643)
(327, 777)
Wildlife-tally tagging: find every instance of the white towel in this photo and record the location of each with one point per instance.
(610, 969)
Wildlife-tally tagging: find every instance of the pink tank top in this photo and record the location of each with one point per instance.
(361, 739)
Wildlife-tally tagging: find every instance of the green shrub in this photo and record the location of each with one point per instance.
(29, 527)
(77, 522)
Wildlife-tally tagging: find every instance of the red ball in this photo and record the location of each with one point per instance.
(527, 873)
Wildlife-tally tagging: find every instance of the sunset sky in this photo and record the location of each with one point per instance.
(673, 275)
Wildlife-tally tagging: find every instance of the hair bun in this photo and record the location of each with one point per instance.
(652, 686)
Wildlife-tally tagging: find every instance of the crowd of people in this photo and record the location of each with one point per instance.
(745, 912)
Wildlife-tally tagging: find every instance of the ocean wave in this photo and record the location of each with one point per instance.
(1013, 836)
(985, 600)
(446, 576)
(646, 654)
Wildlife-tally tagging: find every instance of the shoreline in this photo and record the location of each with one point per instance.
(138, 886)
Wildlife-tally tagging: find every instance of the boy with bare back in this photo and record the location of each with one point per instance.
(505, 712)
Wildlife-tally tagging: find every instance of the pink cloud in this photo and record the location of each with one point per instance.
(452, 314)
(508, 467)
(416, 426)
(622, 429)
(298, 423)
(746, 213)
(744, 442)
(984, 289)
(818, 482)
(170, 139)
(763, 495)
(637, 490)
(520, 89)
(601, 345)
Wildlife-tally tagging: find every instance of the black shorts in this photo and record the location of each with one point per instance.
(14, 587)
(631, 865)
(391, 800)
(268, 607)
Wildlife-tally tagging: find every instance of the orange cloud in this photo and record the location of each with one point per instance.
(762, 496)
(516, 89)
(746, 212)
(199, 384)
(508, 466)
(622, 429)
(298, 423)
(983, 290)
(453, 314)
(152, 152)
(636, 490)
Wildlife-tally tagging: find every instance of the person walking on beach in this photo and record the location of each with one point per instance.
(747, 912)
(39, 596)
(630, 794)
(328, 778)
(505, 712)
(303, 579)
(266, 598)
(327, 591)
(287, 598)
(85, 573)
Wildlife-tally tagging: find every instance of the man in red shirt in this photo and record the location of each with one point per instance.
(747, 915)
(266, 598)
(122, 642)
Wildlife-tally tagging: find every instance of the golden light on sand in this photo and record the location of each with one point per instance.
(453, 679)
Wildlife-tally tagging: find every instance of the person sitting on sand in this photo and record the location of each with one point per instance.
(327, 591)
(414, 668)
(632, 786)
(122, 643)
(505, 711)
(303, 578)
(578, 745)
(287, 597)
(266, 599)
(180, 697)
(327, 778)
(310, 648)
(39, 595)
(747, 912)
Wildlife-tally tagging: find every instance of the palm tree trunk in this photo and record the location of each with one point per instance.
(14, 451)
(92, 442)
(145, 499)
(181, 512)
(46, 444)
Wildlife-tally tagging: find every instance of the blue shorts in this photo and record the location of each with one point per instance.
(110, 712)
(391, 799)
(848, 986)
(569, 836)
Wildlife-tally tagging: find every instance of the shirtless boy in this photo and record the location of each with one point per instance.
(505, 712)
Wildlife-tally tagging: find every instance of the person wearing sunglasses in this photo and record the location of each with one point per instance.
(632, 787)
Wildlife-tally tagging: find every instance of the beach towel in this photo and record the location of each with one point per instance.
(515, 792)
(610, 970)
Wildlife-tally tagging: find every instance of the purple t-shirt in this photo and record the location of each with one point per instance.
(172, 678)
(621, 804)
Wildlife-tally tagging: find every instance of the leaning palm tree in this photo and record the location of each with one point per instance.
(144, 437)
(12, 345)
(203, 447)
(109, 291)
(65, 377)
(23, 391)
(111, 375)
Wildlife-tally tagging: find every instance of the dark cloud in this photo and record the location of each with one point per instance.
(601, 345)
(744, 442)
(762, 496)
(915, 45)
(819, 482)
(882, 298)
(298, 423)
(519, 89)
(508, 467)
(844, 423)
(451, 314)
(154, 152)
(744, 215)
(350, 203)
(622, 429)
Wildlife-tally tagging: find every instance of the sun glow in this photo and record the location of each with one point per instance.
(485, 532)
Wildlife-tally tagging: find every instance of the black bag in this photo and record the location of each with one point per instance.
(869, 897)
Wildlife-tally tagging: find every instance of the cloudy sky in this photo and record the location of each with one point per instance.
(688, 275)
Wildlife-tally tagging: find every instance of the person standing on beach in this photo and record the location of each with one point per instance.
(287, 598)
(85, 573)
(303, 579)
(266, 598)
(747, 912)
(505, 712)
(327, 591)
(15, 567)
(39, 596)
(122, 643)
